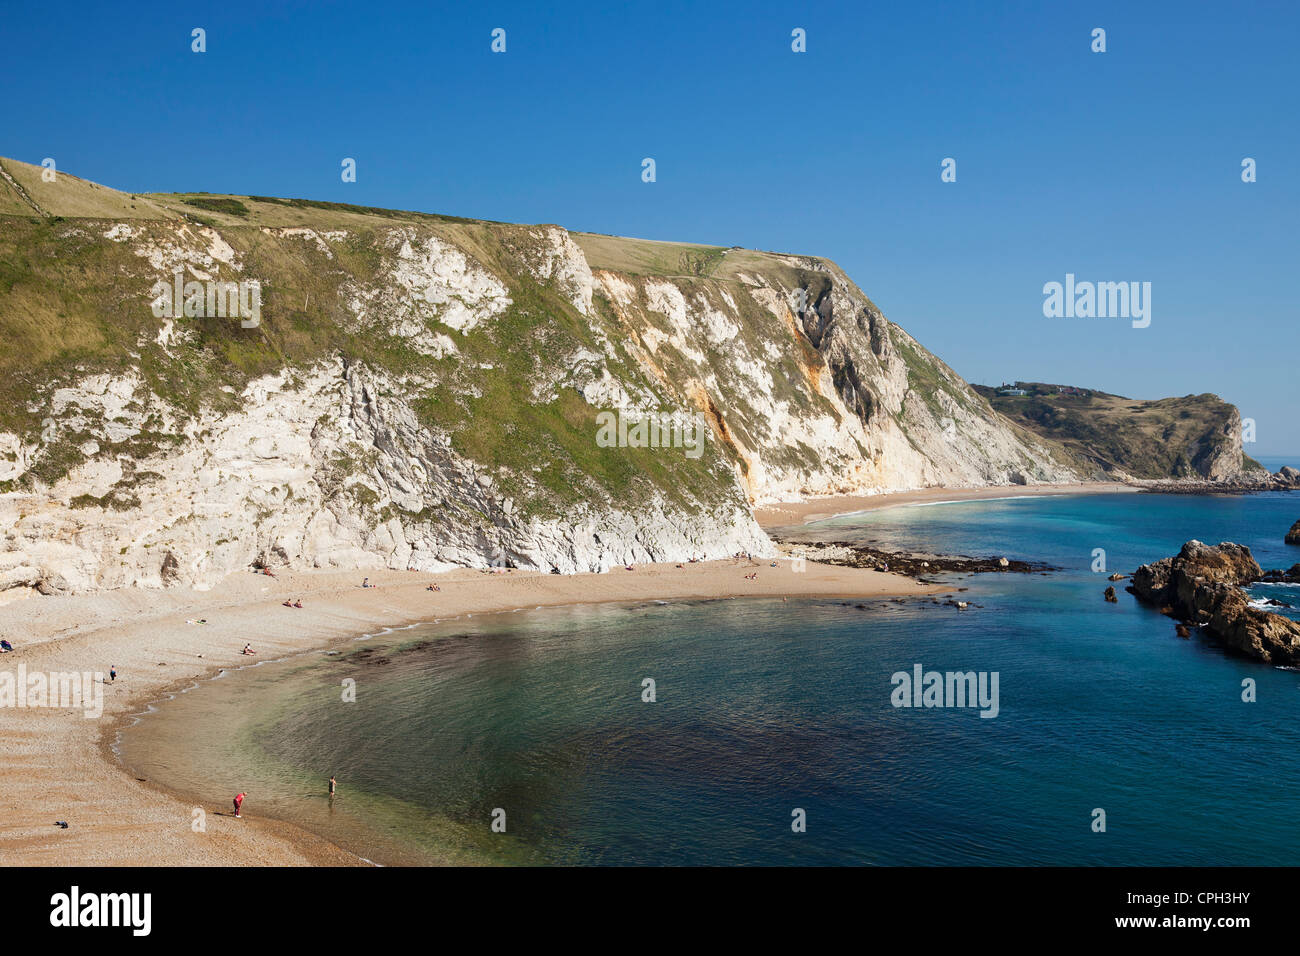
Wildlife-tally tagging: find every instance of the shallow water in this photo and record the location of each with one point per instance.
(764, 707)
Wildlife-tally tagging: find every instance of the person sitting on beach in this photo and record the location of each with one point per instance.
(298, 603)
(248, 649)
(287, 603)
(5, 647)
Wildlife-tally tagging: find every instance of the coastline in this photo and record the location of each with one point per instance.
(58, 765)
(788, 514)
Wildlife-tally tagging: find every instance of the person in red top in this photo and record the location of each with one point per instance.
(239, 801)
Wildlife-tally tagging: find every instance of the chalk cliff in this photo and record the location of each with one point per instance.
(422, 391)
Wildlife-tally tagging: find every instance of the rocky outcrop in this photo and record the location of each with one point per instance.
(1247, 482)
(920, 566)
(1290, 575)
(1203, 584)
(1293, 536)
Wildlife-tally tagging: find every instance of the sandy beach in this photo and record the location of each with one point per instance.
(786, 514)
(57, 765)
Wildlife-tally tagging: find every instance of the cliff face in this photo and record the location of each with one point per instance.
(419, 391)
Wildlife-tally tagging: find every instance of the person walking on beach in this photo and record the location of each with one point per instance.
(112, 674)
(239, 802)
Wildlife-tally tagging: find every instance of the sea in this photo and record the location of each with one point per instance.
(763, 732)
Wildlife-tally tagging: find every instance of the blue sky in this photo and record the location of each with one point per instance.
(1115, 166)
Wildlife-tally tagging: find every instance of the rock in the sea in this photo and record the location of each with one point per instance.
(1290, 576)
(1116, 577)
(1171, 581)
(1203, 584)
(1110, 595)
(1293, 536)
(1182, 630)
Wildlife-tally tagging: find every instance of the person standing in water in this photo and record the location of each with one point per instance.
(331, 788)
(239, 802)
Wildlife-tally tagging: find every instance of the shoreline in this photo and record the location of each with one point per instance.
(58, 765)
(795, 513)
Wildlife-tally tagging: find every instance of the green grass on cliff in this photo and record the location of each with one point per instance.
(638, 257)
(73, 303)
(551, 437)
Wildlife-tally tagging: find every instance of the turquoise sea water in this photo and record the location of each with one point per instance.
(764, 707)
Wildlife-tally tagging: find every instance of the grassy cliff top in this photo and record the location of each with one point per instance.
(23, 192)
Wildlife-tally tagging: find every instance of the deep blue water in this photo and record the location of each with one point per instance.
(764, 707)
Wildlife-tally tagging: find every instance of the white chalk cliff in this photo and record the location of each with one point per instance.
(422, 394)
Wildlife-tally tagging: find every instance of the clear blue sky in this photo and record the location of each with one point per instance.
(1116, 166)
